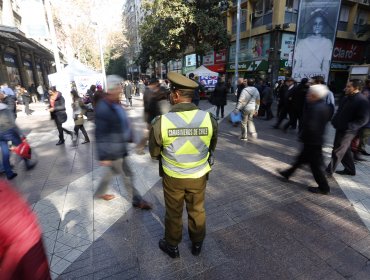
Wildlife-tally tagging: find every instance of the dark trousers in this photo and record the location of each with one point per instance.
(218, 111)
(27, 107)
(192, 191)
(293, 118)
(342, 152)
(269, 114)
(312, 155)
(61, 129)
(83, 130)
(283, 112)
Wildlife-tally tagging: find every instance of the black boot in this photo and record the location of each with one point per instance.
(60, 142)
(172, 251)
(196, 248)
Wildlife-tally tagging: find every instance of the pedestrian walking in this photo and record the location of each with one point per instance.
(351, 116)
(365, 131)
(10, 132)
(58, 113)
(33, 92)
(78, 116)
(219, 98)
(26, 99)
(155, 104)
(283, 103)
(112, 134)
(197, 90)
(129, 91)
(315, 117)
(183, 140)
(267, 100)
(248, 105)
(40, 92)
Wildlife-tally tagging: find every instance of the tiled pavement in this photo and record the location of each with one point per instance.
(258, 226)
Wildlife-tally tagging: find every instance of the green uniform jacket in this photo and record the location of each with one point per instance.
(155, 138)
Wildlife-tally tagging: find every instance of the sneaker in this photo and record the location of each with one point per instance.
(142, 204)
(12, 176)
(243, 139)
(284, 174)
(107, 197)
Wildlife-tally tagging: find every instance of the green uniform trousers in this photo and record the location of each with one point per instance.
(193, 192)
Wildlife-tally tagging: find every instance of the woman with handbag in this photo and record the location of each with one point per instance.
(78, 116)
(58, 113)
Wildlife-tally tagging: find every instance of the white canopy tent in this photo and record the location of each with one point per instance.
(203, 71)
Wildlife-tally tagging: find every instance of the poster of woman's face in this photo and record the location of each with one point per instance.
(316, 28)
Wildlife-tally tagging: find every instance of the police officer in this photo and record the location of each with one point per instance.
(183, 140)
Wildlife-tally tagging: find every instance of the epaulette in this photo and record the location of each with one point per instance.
(155, 119)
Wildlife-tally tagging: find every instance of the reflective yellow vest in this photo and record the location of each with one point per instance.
(186, 138)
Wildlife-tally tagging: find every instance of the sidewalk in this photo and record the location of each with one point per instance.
(258, 226)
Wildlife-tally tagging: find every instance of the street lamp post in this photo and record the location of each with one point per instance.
(101, 55)
(237, 44)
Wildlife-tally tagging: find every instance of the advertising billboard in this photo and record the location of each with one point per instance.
(316, 29)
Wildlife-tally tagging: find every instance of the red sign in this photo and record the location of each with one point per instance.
(348, 51)
(220, 57)
(220, 68)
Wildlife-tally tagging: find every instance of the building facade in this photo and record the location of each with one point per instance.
(267, 39)
(23, 61)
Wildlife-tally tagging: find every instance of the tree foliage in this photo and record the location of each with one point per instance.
(172, 27)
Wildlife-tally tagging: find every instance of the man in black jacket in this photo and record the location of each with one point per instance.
(315, 117)
(351, 116)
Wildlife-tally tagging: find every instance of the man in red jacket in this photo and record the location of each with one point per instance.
(22, 254)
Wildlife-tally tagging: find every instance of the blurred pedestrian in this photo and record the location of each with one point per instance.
(365, 131)
(248, 105)
(220, 96)
(26, 99)
(351, 116)
(315, 117)
(197, 90)
(78, 116)
(33, 92)
(283, 103)
(22, 254)
(129, 91)
(58, 113)
(183, 140)
(113, 132)
(266, 100)
(40, 92)
(239, 88)
(9, 132)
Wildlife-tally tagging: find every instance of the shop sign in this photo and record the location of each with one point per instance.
(220, 57)
(287, 45)
(348, 51)
(339, 66)
(242, 66)
(190, 60)
(209, 58)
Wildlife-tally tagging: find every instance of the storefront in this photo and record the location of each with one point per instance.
(17, 57)
(12, 71)
(345, 54)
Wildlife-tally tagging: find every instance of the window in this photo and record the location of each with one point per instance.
(262, 13)
(343, 18)
(361, 19)
(243, 21)
(292, 5)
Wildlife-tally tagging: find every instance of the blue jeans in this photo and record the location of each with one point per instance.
(13, 136)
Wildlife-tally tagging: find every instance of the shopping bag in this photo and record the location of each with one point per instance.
(23, 150)
(236, 117)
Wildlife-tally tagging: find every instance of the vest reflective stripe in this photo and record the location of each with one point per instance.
(186, 138)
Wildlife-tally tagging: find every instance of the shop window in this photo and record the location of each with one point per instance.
(343, 18)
